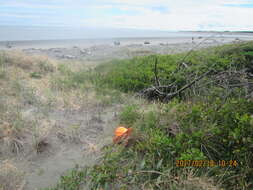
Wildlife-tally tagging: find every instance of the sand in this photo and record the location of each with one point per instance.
(104, 49)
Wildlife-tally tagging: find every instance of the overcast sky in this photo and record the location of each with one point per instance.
(138, 14)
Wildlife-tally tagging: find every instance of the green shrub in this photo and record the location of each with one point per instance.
(221, 134)
(209, 131)
(129, 115)
(70, 181)
(214, 125)
(138, 73)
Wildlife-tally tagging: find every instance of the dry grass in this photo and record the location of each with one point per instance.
(27, 101)
(27, 63)
(10, 177)
(20, 93)
(202, 183)
(10, 139)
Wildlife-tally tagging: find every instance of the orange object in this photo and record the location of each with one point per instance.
(121, 133)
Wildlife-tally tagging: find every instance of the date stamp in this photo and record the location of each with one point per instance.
(206, 163)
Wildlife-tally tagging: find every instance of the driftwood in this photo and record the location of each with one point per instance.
(159, 92)
(182, 62)
(172, 95)
(225, 80)
(156, 73)
(229, 79)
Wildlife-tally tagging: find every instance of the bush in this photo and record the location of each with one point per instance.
(129, 115)
(221, 134)
(206, 133)
(215, 125)
(137, 74)
(70, 181)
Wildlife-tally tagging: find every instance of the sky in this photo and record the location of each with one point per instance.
(165, 15)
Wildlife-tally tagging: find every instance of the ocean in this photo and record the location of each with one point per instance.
(47, 37)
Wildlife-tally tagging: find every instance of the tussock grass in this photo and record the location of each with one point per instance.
(17, 125)
(10, 177)
(34, 93)
(84, 83)
(28, 63)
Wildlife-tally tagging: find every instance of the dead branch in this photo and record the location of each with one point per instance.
(172, 95)
(159, 92)
(195, 47)
(231, 78)
(156, 73)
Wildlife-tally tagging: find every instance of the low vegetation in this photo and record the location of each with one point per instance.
(15, 97)
(45, 106)
(188, 106)
(209, 117)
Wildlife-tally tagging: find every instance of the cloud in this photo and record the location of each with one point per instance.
(140, 14)
(183, 15)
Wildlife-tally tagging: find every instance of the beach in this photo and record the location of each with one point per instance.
(122, 48)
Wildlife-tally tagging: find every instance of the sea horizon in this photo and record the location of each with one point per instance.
(44, 33)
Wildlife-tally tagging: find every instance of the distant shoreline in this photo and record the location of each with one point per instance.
(174, 36)
(229, 32)
(123, 47)
(23, 34)
(131, 38)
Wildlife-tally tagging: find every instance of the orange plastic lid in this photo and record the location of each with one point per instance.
(120, 131)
